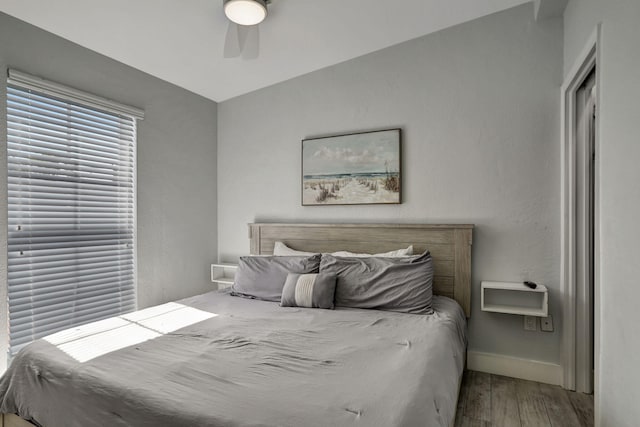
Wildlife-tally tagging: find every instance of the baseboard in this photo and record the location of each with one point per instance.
(532, 370)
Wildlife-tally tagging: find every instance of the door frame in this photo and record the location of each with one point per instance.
(574, 311)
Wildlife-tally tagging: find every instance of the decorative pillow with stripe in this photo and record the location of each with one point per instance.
(309, 290)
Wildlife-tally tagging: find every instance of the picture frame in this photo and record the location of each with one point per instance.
(360, 168)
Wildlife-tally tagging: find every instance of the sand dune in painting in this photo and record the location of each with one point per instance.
(374, 188)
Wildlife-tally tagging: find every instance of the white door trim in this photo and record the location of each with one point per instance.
(574, 79)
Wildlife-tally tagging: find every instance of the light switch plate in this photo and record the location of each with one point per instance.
(546, 323)
(530, 323)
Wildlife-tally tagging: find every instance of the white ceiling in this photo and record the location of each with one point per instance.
(181, 41)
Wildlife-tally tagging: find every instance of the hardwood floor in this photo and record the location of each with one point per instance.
(488, 400)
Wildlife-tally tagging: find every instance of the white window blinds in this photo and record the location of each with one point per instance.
(71, 208)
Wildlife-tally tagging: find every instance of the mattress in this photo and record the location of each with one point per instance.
(219, 360)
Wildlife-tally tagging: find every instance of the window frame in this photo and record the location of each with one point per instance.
(26, 82)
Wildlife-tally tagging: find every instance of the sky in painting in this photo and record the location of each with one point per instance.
(359, 153)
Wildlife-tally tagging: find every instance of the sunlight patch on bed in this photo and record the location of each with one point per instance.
(87, 342)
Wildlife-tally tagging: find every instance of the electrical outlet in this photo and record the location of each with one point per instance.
(530, 323)
(546, 323)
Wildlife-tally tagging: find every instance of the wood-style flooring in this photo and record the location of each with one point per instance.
(488, 400)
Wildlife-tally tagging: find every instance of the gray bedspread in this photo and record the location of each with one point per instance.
(218, 360)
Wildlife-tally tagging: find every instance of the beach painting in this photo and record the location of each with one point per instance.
(352, 169)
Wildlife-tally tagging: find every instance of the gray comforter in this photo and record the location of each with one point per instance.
(218, 360)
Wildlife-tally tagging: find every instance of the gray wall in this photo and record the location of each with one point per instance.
(617, 374)
(176, 160)
(479, 107)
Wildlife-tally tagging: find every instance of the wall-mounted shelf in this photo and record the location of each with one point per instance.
(223, 274)
(514, 298)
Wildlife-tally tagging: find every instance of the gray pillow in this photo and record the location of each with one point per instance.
(395, 284)
(262, 277)
(308, 290)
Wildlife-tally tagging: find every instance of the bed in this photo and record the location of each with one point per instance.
(220, 360)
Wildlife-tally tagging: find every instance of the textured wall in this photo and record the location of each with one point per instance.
(176, 160)
(479, 108)
(617, 374)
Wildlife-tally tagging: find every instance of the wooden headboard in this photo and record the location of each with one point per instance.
(450, 246)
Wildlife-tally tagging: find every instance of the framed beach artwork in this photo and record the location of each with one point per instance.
(352, 169)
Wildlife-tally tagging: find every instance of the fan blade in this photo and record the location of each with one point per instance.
(251, 48)
(232, 45)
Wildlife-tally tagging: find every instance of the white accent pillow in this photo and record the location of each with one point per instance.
(280, 249)
(391, 254)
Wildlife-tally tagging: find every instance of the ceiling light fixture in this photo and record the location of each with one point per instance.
(246, 12)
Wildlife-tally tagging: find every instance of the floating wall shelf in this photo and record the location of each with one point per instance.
(223, 274)
(514, 298)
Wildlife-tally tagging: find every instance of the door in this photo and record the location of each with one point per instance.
(585, 198)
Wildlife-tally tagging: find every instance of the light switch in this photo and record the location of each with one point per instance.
(530, 323)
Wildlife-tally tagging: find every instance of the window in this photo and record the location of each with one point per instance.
(71, 208)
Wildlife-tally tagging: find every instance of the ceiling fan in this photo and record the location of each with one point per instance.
(243, 34)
